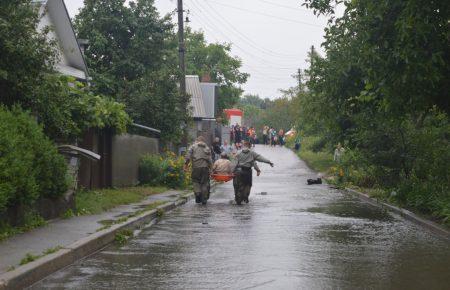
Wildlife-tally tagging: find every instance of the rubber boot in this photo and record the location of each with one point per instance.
(204, 198)
(247, 194)
(198, 197)
(238, 196)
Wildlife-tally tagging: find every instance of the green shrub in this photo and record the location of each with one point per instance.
(30, 166)
(150, 169)
(165, 169)
(318, 144)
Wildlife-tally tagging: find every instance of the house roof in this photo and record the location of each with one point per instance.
(56, 15)
(193, 88)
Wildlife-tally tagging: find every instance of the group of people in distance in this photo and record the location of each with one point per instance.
(273, 137)
(270, 136)
(223, 159)
(239, 134)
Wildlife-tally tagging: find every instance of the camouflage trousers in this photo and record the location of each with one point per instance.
(200, 182)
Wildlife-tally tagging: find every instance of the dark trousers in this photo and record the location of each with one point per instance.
(200, 182)
(242, 183)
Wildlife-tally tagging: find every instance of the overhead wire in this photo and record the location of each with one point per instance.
(247, 39)
(285, 6)
(215, 28)
(260, 73)
(267, 15)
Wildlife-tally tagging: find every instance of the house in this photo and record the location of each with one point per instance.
(119, 155)
(203, 108)
(54, 15)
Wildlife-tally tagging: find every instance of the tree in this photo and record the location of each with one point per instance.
(214, 59)
(132, 58)
(27, 78)
(382, 87)
(26, 54)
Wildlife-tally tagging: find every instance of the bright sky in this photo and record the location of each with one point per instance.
(272, 37)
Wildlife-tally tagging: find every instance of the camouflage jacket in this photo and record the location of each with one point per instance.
(247, 158)
(200, 155)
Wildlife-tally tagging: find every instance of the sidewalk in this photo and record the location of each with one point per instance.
(62, 233)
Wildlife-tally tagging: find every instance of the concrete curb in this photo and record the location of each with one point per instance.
(32, 272)
(431, 226)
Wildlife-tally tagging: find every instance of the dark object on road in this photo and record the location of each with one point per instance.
(264, 193)
(314, 181)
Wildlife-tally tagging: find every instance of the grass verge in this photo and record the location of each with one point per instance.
(321, 161)
(97, 201)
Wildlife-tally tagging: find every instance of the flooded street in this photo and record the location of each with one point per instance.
(294, 237)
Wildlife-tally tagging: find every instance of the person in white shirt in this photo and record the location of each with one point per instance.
(338, 153)
(226, 148)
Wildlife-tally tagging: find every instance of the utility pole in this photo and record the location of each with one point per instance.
(299, 79)
(312, 62)
(181, 51)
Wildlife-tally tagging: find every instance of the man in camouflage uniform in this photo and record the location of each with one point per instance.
(199, 154)
(242, 182)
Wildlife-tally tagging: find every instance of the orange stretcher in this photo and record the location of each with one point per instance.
(222, 178)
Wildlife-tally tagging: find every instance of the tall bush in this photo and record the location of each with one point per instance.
(165, 169)
(30, 166)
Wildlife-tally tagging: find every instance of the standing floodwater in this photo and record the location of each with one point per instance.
(294, 237)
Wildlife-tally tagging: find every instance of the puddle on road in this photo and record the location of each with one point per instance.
(353, 209)
(348, 234)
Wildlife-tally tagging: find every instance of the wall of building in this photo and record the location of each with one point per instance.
(127, 150)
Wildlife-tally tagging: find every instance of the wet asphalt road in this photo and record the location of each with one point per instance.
(294, 237)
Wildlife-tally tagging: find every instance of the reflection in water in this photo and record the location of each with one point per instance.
(295, 237)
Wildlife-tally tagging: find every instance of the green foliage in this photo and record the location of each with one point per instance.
(30, 166)
(97, 201)
(321, 161)
(27, 78)
(26, 54)
(29, 258)
(51, 250)
(166, 170)
(30, 220)
(159, 212)
(215, 60)
(122, 236)
(73, 109)
(68, 214)
(93, 111)
(382, 89)
(280, 113)
(132, 59)
(150, 170)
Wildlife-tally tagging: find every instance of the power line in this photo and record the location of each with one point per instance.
(260, 75)
(267, 15)
(215, 28)
(249, 40)
(284, 6)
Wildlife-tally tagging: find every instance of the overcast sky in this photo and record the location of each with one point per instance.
(272, 37)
